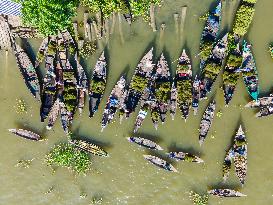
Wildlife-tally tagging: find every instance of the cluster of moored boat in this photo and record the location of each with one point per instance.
(178, 156)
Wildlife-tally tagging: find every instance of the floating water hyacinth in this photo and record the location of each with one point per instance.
(198, 199)
(271, 50)
(24, 163)
(21, 106)
(67, 155)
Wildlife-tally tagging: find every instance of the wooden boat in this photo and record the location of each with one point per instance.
(48, 93)
(139, 82)
(145, 105)
(160, 163)
(213, 66)
(26, 134)
(210, 33)
(260, 102)
(117, 96)
(49, 88)
(41, 52)
(162, 87)
(225, 193)
(69, 94)
(145, 143)
(68, 40)
(65, 118)
(27, 70)
(195, 95)
(206, 122)
(89, 147)
(183, 156)
(230, 76)
(53, 114)
(82, 85)
(265, 111)
(227, 164)
(183, 80)
(240, 155)
(155, 112)
(62, 50)
(271, 50)
(97, 85)
(249, 71)
(173, 102)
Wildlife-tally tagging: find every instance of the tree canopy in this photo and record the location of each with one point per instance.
(48, 16)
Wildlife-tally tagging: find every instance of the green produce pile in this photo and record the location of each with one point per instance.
(211, 70)
(139, 83)
(184, 91)
(70, 92)
(271, 50)
(66, 155)
(98, 87)
(162, 91)
(244, 17)
(88, 49)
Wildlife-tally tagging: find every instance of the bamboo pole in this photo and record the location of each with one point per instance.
(152, 17)
(183, 18)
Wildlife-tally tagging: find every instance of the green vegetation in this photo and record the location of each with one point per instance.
(211, 70)
(240, 142)
(107, 7)
(155, 115)
(24, 163)
(21, 106)
(139, 83)
(163, 91)
(234, 60)
(184, 91)
(189, 158)
(244, 17)
(98, 87)
(70, 91)
(271, 50)
(48, 16)
(198, 199)
(66, 155)
(205, 50)
(88, 49)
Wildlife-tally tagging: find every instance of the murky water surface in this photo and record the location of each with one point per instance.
(125, 177)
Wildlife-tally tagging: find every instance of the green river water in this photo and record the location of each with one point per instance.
(125, 177)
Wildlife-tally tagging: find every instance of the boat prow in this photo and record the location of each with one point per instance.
(160, 163)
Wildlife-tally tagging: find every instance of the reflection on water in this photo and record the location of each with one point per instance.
(125, 177)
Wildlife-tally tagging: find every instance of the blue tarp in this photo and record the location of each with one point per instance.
(9, 7)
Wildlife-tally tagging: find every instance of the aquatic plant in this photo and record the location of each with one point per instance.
(88, 49)
(204, 17)
(96, 200)
(271, 50)
(244, 17)
(66, 155)
(198, 199)
(24, 163)
(48, 16)
(21, 106)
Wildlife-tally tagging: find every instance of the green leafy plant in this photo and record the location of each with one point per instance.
(66, 155)
(139, 83)
(98, 86)
(48, 16)
(198, 199)
(271, 50)
(88, 49)
(243, 19)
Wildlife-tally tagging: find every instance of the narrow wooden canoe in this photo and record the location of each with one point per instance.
(53, 114)
(89, 147)
(160, 163)
(97, 85)
(183, 81)
(210, 33)
(213, 66)
(145, 143)
(260, 102)
(240, 155)
(114, 101)
(249, 71)
(184, 156)
(162, 87)
(206, 122)
(195, 95)
(26, 134)
(225, 193)
(139, 82)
